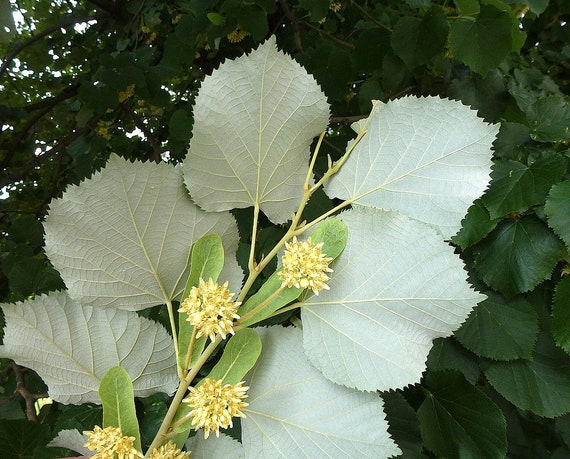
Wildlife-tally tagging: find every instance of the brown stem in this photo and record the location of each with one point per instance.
(29, 397)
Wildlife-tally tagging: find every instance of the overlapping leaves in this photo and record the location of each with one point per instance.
(72, 347)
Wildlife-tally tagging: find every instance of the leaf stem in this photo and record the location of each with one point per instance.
(190, 349)
(162, 433)
(174, 333)
(261, 305)
(251, 262)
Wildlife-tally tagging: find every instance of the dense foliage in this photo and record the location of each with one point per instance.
(82, 81)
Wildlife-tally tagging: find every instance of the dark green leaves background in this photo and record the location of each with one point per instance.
(81, 81)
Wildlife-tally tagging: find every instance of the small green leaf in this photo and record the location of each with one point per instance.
(117, 395)
(518, 255)
(268, 289)
(557, 210)
(317, 9)
(448, 354)
(540, 385)
(206, 262)
(561, 314)
(500, 329)
(240, 355)
(417, 40)
(549, 119)
(484, 41)
(334, 234)
(516, 186)
(475, 226)
(180, 125)
(404, 427)
(216, 19)
(468, 7)
(458, 420)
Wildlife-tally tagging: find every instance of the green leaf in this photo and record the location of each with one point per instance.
(122, 238)
(458, 420)
(540, 385)
(448, 354)
(428, 158)
(7, 26)
(561, 314)
(500, 329)
(240, 354)
(19, 438)
(216, 19)
(317, 9)
(482, 42)
(518, 255)
(118, 398)
(475, 226)
(206, 262)
(265, 292)
(417, 40)
(374, 328)
(404, 427)
(66, 332)
(304, 414)
(334, 235)
(254, 121)
(468, 7)
(515, 186)
(179, 126)
(557, 210)
(549, 119)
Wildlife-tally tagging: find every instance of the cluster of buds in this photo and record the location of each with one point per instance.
(214, 404)
(305, 266)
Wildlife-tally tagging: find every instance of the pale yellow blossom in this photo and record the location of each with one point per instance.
(210, 309)
(305, 266)
(110, 443)
(215, 404)
(168, 451)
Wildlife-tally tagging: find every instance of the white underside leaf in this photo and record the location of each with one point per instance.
(428, 158)
(71, 439)
(395, 288)
(254, 121)
(222, 447)
(71, 347)
(122, 238)
(295, 412)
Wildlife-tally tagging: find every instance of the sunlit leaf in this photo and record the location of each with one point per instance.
(294, 412)
(72, 347)
(395, 288)
(123, 237)
(117, 395)
(428, 158)
(254, 120)
(222, 447)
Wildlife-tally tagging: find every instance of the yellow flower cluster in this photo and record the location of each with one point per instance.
(168, 451)
(128, 92)
(237, 35)
(305, 266)
(102, 129)
(110, 443)
(214, 405)
(210, 309)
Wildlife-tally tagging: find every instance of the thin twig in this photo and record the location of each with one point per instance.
(29, 397)
(328, 35)
(65, 22)
(294, 23)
